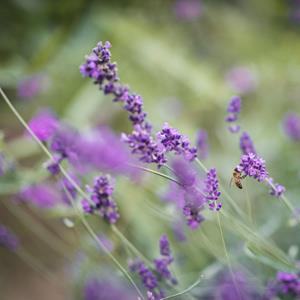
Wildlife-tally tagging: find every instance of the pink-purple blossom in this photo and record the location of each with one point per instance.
(44, 124)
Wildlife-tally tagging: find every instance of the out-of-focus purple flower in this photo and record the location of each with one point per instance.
(285, 285)
(101, 149)
(174, 142)
(242, 80)
(233, 109)
(42, 195)
(188, 10)
(2, 164)
(276, 189)
(178, 231)
(240, 289)
(32, 86)
(101, 196)
(71, 190)
(150, 296)
(108, 244)
(162, 264)
(253, 166)
(291, 126)
(8, 239)
(104, 289)
(246, 144)
(184, 172)
(44, 124)
(202, 144)
(211, 190)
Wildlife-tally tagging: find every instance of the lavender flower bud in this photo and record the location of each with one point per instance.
(233, 109)
(102, 201)
(212, 193)
(253, 166)
(276, 189)
(291, 126)
(202, 144)
(246, 144)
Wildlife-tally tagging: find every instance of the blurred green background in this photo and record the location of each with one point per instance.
(180, 64)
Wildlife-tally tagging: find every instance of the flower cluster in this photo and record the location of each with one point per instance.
(233, 109)
(101, 200)
(202, 144)
(175, 142)
(253, 166)
(211, 190)
(99, 67)
(285, 285)
(8, 239)
(246, 144)
(151, 279)
(291, 126)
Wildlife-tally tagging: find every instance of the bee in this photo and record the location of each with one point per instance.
(237, 178)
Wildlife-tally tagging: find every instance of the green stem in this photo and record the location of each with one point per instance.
(64, 172)
(155, 172)
(99, 242)
(38, 229)
(248, 202)
(187, 290)
(283, 197)
(227, 255)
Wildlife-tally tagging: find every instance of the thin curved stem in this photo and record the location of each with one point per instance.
(187, 290)
(43, 147)
(227, 256)
(286, 201)
(155, 172)
(64, 172)
(100, 243)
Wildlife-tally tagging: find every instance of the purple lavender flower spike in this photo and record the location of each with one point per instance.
(253, 166)
(246, 144)
(184, 172)
(164, 246)
(142, 143)
(233, 109)
(277, 190)
(286, 285)
(42, 195)
(202, 144)
(291, 126)
(211, 190)
(173, 141)
(101, 196)
(7, 239)
(44, 125)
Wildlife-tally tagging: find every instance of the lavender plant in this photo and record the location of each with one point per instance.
(102, 156)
